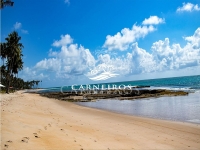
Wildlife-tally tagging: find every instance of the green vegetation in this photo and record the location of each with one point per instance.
(11, 55)
(6, 3)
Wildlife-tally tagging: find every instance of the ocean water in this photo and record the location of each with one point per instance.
(181, 83)
(176, 108)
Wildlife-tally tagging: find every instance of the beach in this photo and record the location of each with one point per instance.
(30, 121)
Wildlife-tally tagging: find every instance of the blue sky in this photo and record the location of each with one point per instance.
(76, 42)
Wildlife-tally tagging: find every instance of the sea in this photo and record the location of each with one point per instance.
(176, 108)
(191, 83)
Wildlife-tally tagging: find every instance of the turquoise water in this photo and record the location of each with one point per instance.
(187, 82)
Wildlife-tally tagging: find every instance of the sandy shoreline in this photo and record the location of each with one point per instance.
(29, 121)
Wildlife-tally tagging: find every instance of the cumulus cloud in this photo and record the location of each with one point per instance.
(188, 7)
(31, 74)
(195, 39)
(52, 53)
(122, 40)
(65, 40)
(72, 61)
(163, 57)
(154, 20)
(141, 61)
(175, 57)
(51, 64)
(17, 25)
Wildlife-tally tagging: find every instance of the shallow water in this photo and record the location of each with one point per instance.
(177, 108)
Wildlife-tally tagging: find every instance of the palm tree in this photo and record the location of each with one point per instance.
(12, 52)
(3, 52)
(6, 3)
(36, 83)
(3, 74)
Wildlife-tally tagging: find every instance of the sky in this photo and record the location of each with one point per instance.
(96, 41)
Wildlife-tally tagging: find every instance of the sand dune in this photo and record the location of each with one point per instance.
(29, 121)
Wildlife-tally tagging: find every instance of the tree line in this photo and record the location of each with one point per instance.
(12, 63)
(6, 3)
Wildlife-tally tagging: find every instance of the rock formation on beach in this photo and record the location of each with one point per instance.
(121, 94)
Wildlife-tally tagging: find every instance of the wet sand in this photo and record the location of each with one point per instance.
(29, 121)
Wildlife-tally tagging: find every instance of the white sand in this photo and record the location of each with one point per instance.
(29, 121)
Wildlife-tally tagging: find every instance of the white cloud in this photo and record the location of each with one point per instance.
(17, 25)
(189, 7)
(24, 31)
(163, 57)
(153, 20)
(195, 39)
(72, 61)
(66, 39)
(176, 57)
(69, 61)
(196, 7)
(142, 61)
(52, 53)
(122, 40)
(31, 74)
(51, 64)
